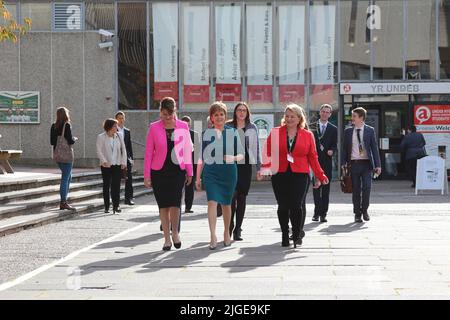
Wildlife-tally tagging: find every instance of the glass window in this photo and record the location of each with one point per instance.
(132, 56)
(195, 54)
(100, 16)
(40, 15)
(355, 40)
(420, 51)
(259, 48)
(291, 55)
(386, 22)
(227, 41)
(444, 38)
(163, 52)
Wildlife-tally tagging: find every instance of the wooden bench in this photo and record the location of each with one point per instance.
(5, 156)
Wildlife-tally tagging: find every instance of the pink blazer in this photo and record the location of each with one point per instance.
(156, 147)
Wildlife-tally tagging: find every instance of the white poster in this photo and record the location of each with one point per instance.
(196, 45)
(259, 44)
(165, 47)
(431, 174)
(322, 30)
(291, 59)
(228, 30)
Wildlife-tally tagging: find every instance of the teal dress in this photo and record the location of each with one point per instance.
(219, 178)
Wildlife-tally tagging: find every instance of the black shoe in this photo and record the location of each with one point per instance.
(298, 242)
(177, 245)
(315, 218)
(237, 236)
(366, 216)
(167, 248)
(285, 240)
(358, 219)
(117, 210)
(129, 202)
(413, 185)
(323, 219)
(106, 211)
(188, 211)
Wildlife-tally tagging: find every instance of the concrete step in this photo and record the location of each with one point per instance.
(18, 223)
(25, 207)
(8, 197)
(23, 184)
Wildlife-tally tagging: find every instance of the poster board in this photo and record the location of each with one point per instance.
(19, 107)
(431, 174)
(264, 123)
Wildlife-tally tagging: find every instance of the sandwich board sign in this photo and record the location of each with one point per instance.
(431, 174)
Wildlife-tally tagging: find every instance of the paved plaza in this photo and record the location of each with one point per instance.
(402, 253)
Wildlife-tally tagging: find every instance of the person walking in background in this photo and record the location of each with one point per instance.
(360, 152)
(189, 189)
(168, 167)
(126, 134)
(217, 169)
(248, 134)
(62, 130)
(112, 153)
(289, 153)
(326, 145)
(413, 145)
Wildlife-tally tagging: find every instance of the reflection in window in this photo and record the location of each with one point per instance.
(132, 56)
(355, 52)
(387, 39)
(100, 16)
(420, 51)
(444, 38)
(40, 15)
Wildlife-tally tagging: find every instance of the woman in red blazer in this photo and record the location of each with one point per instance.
(288, 155)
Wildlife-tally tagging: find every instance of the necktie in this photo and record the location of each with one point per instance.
(358, 132)
(323, 129)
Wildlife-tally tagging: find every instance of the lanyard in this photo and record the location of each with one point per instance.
(291, 143)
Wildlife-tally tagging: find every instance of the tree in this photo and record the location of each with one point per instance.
(9, 28)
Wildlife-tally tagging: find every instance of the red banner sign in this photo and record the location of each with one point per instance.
(259, 93)
(431, 114)
(228, 92)
(292, 93)
(196, 94)
(165, 89)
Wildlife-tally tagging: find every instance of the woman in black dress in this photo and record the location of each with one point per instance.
(248, 133)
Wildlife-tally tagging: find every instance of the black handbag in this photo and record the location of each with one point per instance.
(422, 153)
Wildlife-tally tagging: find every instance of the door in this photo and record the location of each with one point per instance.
(389, 121)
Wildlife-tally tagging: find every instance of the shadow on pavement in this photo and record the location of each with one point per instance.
(346, 228)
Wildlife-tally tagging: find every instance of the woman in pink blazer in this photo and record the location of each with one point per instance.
(168, 166)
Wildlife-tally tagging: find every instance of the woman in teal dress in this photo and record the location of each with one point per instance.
(217, 169)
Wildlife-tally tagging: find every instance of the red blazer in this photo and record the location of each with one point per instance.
(305, 154)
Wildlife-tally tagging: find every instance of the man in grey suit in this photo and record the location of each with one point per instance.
(361, 153)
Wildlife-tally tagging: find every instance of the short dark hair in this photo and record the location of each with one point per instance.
(361, 112)
(119, 113)
(168, 104)
(109, 124)
(186, 119)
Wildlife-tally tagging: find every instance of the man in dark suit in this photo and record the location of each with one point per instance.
(120, 117)
(189, 189)
(361, 152)
(326, 144)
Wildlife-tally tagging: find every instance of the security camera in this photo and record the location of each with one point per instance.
(105, 33)
(108, 45)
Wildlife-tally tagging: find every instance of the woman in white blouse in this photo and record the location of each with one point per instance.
(113, 158)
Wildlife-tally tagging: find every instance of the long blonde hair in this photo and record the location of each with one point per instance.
(300, 112)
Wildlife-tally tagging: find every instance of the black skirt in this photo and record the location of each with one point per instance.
(168, 188)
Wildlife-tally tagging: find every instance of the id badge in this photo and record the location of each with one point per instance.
(322, 148)
(290, 158)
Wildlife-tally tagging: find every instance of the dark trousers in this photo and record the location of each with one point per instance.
(129, 183)
(189, 191)
(290, 191)
(322, 194)
(362, 183)
(238, 206)
(111, 182)
(411, 167)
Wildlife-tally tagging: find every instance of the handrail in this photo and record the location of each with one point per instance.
(138, 143)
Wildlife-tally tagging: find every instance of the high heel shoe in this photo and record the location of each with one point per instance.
(213, 245)
(167, 248)
(297, 241)
(177, 245)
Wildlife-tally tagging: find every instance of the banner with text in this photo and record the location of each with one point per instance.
(228, 49)
(196, 54)
(259, 53)
(291, 60)
(165, 50)
(432, 118)
(322, 31)
(19, 107)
